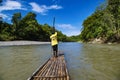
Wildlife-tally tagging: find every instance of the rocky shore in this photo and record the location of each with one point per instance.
(12, 43)
(102, 41)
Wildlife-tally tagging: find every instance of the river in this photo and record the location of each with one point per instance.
(84, 61)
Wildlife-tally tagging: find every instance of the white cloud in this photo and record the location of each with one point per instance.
(68, 29)
(37, 8)
(43, 8)
(54, 7)
(4, 16)
(71, 32)
(11, 5)
(65, 26)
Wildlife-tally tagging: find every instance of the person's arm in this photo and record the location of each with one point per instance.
(55, 33)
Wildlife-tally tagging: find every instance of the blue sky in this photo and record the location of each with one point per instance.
(69, 14)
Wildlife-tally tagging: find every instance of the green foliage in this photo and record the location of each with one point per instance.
(47, 31)
(103, 23)
(74, 38)
(5, 31)
(16, 18)
(27, 28)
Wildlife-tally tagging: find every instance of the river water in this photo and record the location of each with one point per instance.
(84, 61)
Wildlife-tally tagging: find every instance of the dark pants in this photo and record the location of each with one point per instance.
(55, 50)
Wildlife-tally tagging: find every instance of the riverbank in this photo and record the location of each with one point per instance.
(13, 43)
(102, 41)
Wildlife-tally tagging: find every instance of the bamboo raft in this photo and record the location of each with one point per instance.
(53, 69)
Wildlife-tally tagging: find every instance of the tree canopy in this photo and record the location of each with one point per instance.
(27, 28)
(104, 23)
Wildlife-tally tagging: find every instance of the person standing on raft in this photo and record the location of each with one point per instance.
(54, 43)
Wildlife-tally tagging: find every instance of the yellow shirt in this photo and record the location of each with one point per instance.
(53, 38)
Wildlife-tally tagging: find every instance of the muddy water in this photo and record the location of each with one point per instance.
(84, 61)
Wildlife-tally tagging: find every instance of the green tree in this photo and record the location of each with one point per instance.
(29, 27)
(103, 23)
(114, 8)
(5, 32)
(16, 18)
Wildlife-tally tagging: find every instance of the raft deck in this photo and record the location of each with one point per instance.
(53, 69)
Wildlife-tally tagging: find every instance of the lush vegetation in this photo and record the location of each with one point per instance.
(27, 28)
(103, 24)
